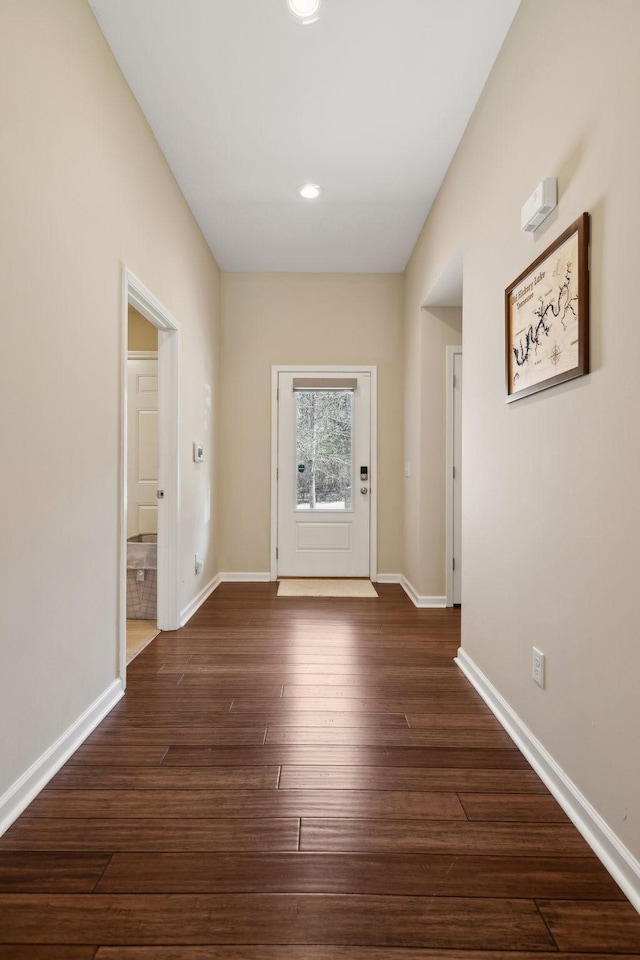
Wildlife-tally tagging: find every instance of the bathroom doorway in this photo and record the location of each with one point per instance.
(150, 472)
(142, 483)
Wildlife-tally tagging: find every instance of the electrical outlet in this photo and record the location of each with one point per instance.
(538, 667)
(199, 565)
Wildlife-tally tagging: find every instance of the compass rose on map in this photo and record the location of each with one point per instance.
(555, 355)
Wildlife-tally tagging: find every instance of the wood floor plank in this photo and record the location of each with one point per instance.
(222, 734)
(592, 926)
(281, 873)
(323, 718)
(50, 872)
(489, 757)
(372, 690)
(573, 878)
(183, 711)
(221, 687)
(305, 952)
(150, 661)
(43, 952)
(145, 834)
(266, 918)
(279, 645)
(317, 684)
(468, 703)
(87, 777)
(180, 715)
(366, 836)
(315, 673)
(394, 677)
(326, 777)
(415, 875)
(171, 804)
(380, 736)
(314, 659)
(120, 754)
(153, 685)
(497, 807)
(177, 704)
(437, 720)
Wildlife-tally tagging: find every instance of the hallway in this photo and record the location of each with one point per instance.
(308, 779)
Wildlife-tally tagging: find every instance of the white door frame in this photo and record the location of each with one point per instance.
(452, 352)
(312, 371)
(136, 294)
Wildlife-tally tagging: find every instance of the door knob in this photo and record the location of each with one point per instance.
(363, 490)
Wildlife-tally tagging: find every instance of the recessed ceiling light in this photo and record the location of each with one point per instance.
(304, 11)
(310, 191)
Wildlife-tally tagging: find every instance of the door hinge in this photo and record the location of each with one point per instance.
(454, 473)
(277, 473)
(277, 393)
(454, 381)
(454, 563)
(276, 553)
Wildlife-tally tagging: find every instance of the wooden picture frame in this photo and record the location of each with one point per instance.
(547, 316)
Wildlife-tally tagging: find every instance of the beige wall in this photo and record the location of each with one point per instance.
(142, 335)
(550, 503)
(84, 189)
(303, 318)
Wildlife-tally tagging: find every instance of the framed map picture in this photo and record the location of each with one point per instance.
(547, 316)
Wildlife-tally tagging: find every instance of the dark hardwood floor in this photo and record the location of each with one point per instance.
(304, 780)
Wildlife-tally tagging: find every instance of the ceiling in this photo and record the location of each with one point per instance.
(370, 102)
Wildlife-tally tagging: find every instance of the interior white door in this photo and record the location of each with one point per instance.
(457, 478)
(324, 474)
(142, 445)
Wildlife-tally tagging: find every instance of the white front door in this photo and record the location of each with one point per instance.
(324, 474)
(142, 445)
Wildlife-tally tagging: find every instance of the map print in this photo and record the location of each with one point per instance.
(544, 319)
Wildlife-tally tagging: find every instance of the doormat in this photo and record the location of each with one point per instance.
(326, 588)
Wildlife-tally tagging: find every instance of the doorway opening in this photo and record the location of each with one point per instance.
(454, 476)
(149, 476)
(445, 302)
(142, 483)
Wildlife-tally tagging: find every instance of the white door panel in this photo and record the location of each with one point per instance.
(142, 445)
(324, 441)
(147, 518)
(147, 444)
(323, 535)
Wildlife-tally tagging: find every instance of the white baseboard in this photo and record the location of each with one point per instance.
(419, 601)
(245, 577)
(260, 577)
(412, 593)
(29, 785)
(199, 599)
(607, 846)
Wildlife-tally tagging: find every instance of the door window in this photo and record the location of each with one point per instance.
(324, 449)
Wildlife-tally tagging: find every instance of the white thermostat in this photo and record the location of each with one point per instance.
(542, 201)
(198, 452)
